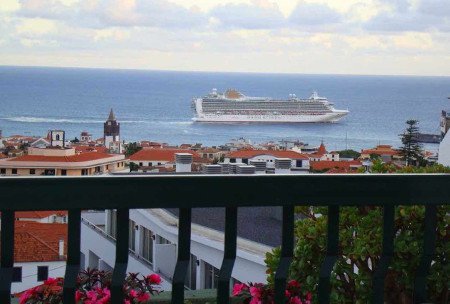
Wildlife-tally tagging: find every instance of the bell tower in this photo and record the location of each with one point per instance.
(111, 130)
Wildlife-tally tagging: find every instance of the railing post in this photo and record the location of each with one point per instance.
(229, 256)
(120, 266)
(386, 256)
(184, 252)
(73, 256)
(7, 256)
(287, 251)
(324, 288)
(429, 247)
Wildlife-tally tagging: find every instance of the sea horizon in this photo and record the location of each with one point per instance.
(155, 104)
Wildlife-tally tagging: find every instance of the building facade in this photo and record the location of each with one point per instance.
(111, 134)
(61, 161)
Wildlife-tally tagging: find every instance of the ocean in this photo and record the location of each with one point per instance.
(156, 105)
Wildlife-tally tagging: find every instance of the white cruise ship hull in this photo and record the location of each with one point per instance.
(327, 117)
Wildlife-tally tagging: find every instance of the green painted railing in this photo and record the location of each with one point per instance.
(230, 191)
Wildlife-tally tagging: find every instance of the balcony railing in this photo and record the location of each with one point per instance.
(193, 191)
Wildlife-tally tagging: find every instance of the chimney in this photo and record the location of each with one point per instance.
(183, 162)
(283, 165)
(61, 249)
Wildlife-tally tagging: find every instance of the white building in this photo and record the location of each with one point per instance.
(39, 253)
(444, 150)
(299, 161)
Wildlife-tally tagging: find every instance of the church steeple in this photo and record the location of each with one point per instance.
(111, 116)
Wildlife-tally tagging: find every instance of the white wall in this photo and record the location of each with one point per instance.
(96, 243)
(444, 151)
(56, 269)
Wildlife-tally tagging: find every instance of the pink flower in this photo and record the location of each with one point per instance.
(51, 281)
(238, 288)
(143, 297)
(126, 302)
(133, 294)
(154, 279)
(293, 284)
(295, 300)
(78, 295)
(255, 292)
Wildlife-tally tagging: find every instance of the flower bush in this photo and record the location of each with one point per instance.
(258, 293)
(93, 287)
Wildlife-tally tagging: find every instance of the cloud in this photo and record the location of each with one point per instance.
(35, 27)
(7, 6)
(313, 15)
(258, 15)
(427, 15)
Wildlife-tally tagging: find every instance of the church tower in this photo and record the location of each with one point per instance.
(111, 133)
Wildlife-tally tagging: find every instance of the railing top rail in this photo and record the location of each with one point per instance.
(175, 191)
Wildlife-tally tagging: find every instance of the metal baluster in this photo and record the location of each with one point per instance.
(73, 256)
(7, 256)
(386, 255)
(120, 266)
(429, 247)
(184, 252)
(229, 257)
(287, 250)
(332, 254)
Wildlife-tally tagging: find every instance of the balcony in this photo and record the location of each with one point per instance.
(199, 191)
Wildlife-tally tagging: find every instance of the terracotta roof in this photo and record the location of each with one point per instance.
(328, 164)
(82, 157)
(275, 153)
(37, 242)
(160, 154)
(381, 150)
(38, 214)
(84, 149)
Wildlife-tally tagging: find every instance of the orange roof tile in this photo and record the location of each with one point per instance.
(38, 214)
(84, 149)
(160, 154)
(82, 157)
(274, 153)
(328, 164)
(38, 242)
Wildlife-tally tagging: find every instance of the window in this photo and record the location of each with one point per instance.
(84, 171)
(232, 160)
(147, 244)
(3, 171)
(32, 171)
(141, 164)
(97, 169)
(57, 136)
(13, 171)
(245, 160)
(63, 172)
(211, 276)
(42, 273)
(17, 274)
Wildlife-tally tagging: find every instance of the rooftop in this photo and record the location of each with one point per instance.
(38, 242)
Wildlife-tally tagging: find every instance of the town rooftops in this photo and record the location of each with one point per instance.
(38, 242)
(328, 164)
(381, 150)
(274, 153)
(160, 154)
(82, 157)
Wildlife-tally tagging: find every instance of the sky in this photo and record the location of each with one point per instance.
(376, 37)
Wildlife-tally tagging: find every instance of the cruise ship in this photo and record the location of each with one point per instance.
(233, 106)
